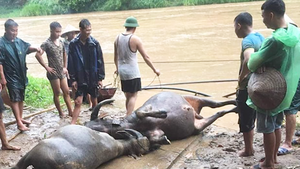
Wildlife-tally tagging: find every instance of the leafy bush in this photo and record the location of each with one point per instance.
(49, 7)
(39, 93)
(34, 10)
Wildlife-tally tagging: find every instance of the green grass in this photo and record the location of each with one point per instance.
(39, 93)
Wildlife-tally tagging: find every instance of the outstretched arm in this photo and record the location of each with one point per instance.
(145, 56)
(116, 56)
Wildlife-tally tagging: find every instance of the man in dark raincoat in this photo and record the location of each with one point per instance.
(13, 70)
(85, 66)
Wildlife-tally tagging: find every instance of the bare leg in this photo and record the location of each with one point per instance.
(269, 148)
(55, 84)
(93, 101)
(65, 89)
(5, 145)
(18, 115)
(277, 144)
(90, 101)
(130, 102)
(78, 102)
(21, 106)
(248, 140)
(290, 129)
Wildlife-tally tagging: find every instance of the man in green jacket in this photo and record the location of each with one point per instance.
(282, 52)
(13, 70)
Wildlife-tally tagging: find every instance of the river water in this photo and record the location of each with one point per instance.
(187, 44)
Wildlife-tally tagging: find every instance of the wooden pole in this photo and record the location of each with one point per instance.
(195, 82)
(175, 88)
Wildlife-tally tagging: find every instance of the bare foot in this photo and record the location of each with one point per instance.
(243, 153)
(9, 147)
(23, 128)
(25, 122)
(263, 159)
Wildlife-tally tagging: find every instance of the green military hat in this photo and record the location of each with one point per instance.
(131, 22)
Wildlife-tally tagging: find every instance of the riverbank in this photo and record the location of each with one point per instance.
(215, 148)
(17, 8)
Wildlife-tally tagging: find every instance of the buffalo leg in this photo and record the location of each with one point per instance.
(201, 124)
(199, 103)
(157, 114)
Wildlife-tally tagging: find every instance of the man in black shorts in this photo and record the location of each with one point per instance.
(126, 46)
(251, 42)
(85, 66)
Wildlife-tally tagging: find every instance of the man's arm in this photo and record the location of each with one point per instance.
(146, 58)
(65, 62)
(2, 77)
(116, 55)
(101, 69)
(268, 52)
(33, 49)
(40, 59)
(244, 70)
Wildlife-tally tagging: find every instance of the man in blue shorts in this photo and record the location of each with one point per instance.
(290, 116)
(251, 43)
(125, 57)
(281, 51)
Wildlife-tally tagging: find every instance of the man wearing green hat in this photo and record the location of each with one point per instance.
(125, 59)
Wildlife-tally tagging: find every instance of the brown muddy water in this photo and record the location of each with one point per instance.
(195, 43)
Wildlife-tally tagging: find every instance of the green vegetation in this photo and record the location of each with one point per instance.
(14, 8)
(39, 93)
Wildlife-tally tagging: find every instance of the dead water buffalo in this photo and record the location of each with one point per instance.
(165, 116)
(78, 147)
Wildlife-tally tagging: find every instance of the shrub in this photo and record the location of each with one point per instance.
(39, 93)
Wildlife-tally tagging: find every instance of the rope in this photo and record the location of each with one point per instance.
(116, 81)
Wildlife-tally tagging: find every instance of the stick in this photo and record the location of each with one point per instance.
(174, 88)
(33, 114)
(230, 94)
(204, 81)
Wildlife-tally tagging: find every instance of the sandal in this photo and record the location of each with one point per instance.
(297, 133)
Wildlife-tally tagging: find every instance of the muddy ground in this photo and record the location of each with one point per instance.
(215, 148)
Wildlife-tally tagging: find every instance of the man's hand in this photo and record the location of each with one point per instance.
(65, 71)
(3, 81)
(74, 86)
(100, 84)
(51, 70)
(157, 72)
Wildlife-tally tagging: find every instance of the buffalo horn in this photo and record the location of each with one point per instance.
(96, 109)
(134, 133)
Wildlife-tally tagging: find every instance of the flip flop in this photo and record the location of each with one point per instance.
(297, 133)
(256, 166)
(295, 142)
(282, 151)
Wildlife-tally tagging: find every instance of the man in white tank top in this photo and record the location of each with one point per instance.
(126, 46)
